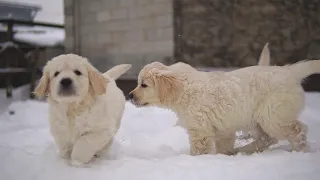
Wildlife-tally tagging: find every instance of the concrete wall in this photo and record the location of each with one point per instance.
(111, 32)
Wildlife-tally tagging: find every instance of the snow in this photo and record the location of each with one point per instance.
(147, 146)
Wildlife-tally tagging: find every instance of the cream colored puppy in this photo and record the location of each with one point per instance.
(85, 107)
(212, 109)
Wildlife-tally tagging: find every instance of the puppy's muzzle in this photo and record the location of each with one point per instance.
(133, 100)
(130, 96)
(66, 87)
(66, 83)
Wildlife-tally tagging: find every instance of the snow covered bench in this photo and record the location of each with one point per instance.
(16, 71)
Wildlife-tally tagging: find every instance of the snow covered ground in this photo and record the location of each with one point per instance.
(147, 146)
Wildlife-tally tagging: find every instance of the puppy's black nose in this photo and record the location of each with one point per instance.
(130, 96)
(66, 82)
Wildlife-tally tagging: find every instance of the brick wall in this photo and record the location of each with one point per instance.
(111, 32)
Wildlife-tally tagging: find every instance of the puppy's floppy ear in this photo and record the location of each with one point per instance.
(43, 87)
(97, 82)
(168, 85)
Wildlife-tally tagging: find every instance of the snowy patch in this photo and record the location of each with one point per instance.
(147, 146)
(37, 35)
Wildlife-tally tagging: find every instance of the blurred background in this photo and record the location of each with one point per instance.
(207, 34)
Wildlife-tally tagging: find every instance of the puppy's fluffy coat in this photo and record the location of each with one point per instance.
(264, 60)
(85, 106)
(265, 99)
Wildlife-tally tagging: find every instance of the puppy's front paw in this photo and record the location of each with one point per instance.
(81, 157)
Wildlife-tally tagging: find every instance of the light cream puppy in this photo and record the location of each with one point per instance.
(256, 133)
(85, 107)
(212, 109)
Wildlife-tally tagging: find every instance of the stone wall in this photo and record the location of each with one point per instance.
(111, 32)
(219, 33)
(225, 33)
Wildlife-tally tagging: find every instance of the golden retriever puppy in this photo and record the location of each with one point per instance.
(85, 106)
(264, 60)
(212, 109)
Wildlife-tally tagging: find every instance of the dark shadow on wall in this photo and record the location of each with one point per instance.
(224, 33)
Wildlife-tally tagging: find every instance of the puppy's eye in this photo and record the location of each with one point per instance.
(56, 73)
(144, 85)
(77, 72)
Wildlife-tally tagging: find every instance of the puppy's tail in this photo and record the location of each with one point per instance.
(117, 71)
(304, 68)
(264, 59)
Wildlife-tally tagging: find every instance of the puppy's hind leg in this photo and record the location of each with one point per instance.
(296, 134)
(284, 108)
(282, 120)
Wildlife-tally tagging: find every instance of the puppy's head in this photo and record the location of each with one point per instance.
(69, 78)
(157, 86)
